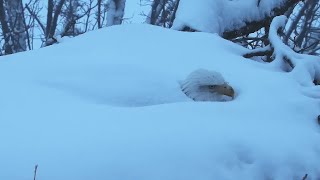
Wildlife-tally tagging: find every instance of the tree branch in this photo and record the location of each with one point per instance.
(36, 18)
(55, 18)
(254, 26)
(266, 51)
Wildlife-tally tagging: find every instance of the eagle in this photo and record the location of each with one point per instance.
(206, 85)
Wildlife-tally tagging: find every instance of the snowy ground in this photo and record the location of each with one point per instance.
(107, 105)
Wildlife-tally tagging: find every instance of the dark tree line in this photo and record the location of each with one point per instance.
(22, 24)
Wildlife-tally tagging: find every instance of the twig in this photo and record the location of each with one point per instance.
(36, 18)
(305, 177)
(288, 60)
(265, 52)
(258, 4)
(35, 172)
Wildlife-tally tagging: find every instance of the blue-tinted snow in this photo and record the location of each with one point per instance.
(107, 105)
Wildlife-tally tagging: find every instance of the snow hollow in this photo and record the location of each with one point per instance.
(108, 105)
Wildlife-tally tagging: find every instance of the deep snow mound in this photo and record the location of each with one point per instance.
(107, 105)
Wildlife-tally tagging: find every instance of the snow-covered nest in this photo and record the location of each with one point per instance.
(108, 105)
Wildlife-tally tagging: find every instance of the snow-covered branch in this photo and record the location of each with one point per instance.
(229, 19)
(255, 25)
(306, 68)
(265, 51)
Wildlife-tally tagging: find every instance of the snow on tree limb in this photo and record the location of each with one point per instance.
(253, 26)
(265, 51)
(281, 51)
(305, 68)
(215, 16)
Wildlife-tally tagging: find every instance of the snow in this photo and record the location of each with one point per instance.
(211, 15)
(108, 105)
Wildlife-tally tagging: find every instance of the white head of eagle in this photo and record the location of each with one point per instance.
(205, 85)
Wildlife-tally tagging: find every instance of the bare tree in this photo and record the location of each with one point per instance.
(13, 26)
(16, 23)
(62, 18)
(8, 49)
(70, 15)
(99, 14)
(115, 12)
(303, 32)
(162, 12)
(156, 8)
(54, 10)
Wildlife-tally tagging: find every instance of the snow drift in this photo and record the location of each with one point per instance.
(107, 105)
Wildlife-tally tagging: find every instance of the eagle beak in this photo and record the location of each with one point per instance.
(232, 93)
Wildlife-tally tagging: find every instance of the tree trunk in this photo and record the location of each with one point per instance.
(115, 12)
(99, 14)
(156, 7)
(5, 29)
(49, 17)
(17, 25)
(54, 22)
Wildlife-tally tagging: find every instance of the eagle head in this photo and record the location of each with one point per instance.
(205, 85)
